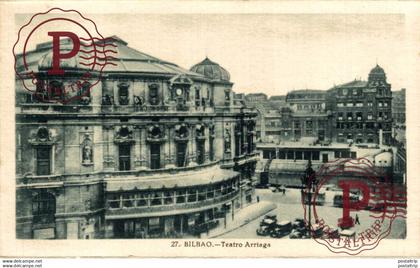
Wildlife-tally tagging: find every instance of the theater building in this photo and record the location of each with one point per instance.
(153, 150)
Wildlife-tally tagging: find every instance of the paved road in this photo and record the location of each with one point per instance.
(289, 208)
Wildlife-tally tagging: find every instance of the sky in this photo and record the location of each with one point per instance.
(271, 53)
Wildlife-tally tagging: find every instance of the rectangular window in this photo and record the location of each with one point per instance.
(290, 155)
(43, 161)
(124, 157)
(282, 155)
(315, 155)
(345, 154)
(340, 104)
(169, 197)
(154, 156)
(157, 199)
(370, 104)
(211, 148)
(202, 194)
(299, 155)
(141, 200)
(200, 152)
(114, 200)
(359, 104)
(192, 195)
(181, 154)
(180, 196)
(210, 192)
(269, 153)
(353, 155)
(128, 200)
(306, 155)
(350, 104)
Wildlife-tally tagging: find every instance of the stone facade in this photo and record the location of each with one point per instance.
(153, 150)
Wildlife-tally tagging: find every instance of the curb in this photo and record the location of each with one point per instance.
(245, 222)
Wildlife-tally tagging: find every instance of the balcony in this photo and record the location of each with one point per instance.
(240, 160)
(57, 108)
(169, 209)
(58, 180)
(53, 108)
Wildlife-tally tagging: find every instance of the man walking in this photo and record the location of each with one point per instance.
(357, 220)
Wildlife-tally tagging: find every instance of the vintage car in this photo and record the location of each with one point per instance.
(330, 233)
(281, 229)
(317, 230)
(269, 220)
(338, 199)
(318, 199)
(298, 223)
(264, 230)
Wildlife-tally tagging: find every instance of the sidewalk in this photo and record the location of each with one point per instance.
(241, 218)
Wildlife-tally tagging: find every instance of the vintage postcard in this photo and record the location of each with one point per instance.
(209, 129)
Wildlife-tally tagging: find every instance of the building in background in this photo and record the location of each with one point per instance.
(356, 112)
(308, 117)
(398, 107)
(152, 150)
(362, 110)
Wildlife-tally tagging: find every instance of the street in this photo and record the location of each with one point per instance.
(290, 207)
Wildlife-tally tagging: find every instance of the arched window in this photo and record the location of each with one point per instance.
(43, 208)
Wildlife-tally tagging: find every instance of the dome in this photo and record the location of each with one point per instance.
(211, 70)
(377, 70)
(377, 73)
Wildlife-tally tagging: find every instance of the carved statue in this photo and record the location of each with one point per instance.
(87, 154)
(227, 140)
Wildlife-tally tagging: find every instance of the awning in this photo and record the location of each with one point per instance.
(159, 181)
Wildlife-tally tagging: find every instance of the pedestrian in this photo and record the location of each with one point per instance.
(357, 220)
(258, 199)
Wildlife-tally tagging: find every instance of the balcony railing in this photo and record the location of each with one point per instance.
(175, 207)
(59, 179)
(76, 108)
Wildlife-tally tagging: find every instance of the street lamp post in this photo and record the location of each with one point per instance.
(309, 183)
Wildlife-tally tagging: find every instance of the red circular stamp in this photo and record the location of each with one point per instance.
(60, 56)
(350, 205)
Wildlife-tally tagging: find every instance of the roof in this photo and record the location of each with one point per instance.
(278, 98)
(212, 70)
(354, 83)
(158, 181)
(307, 91)
(124, 60)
